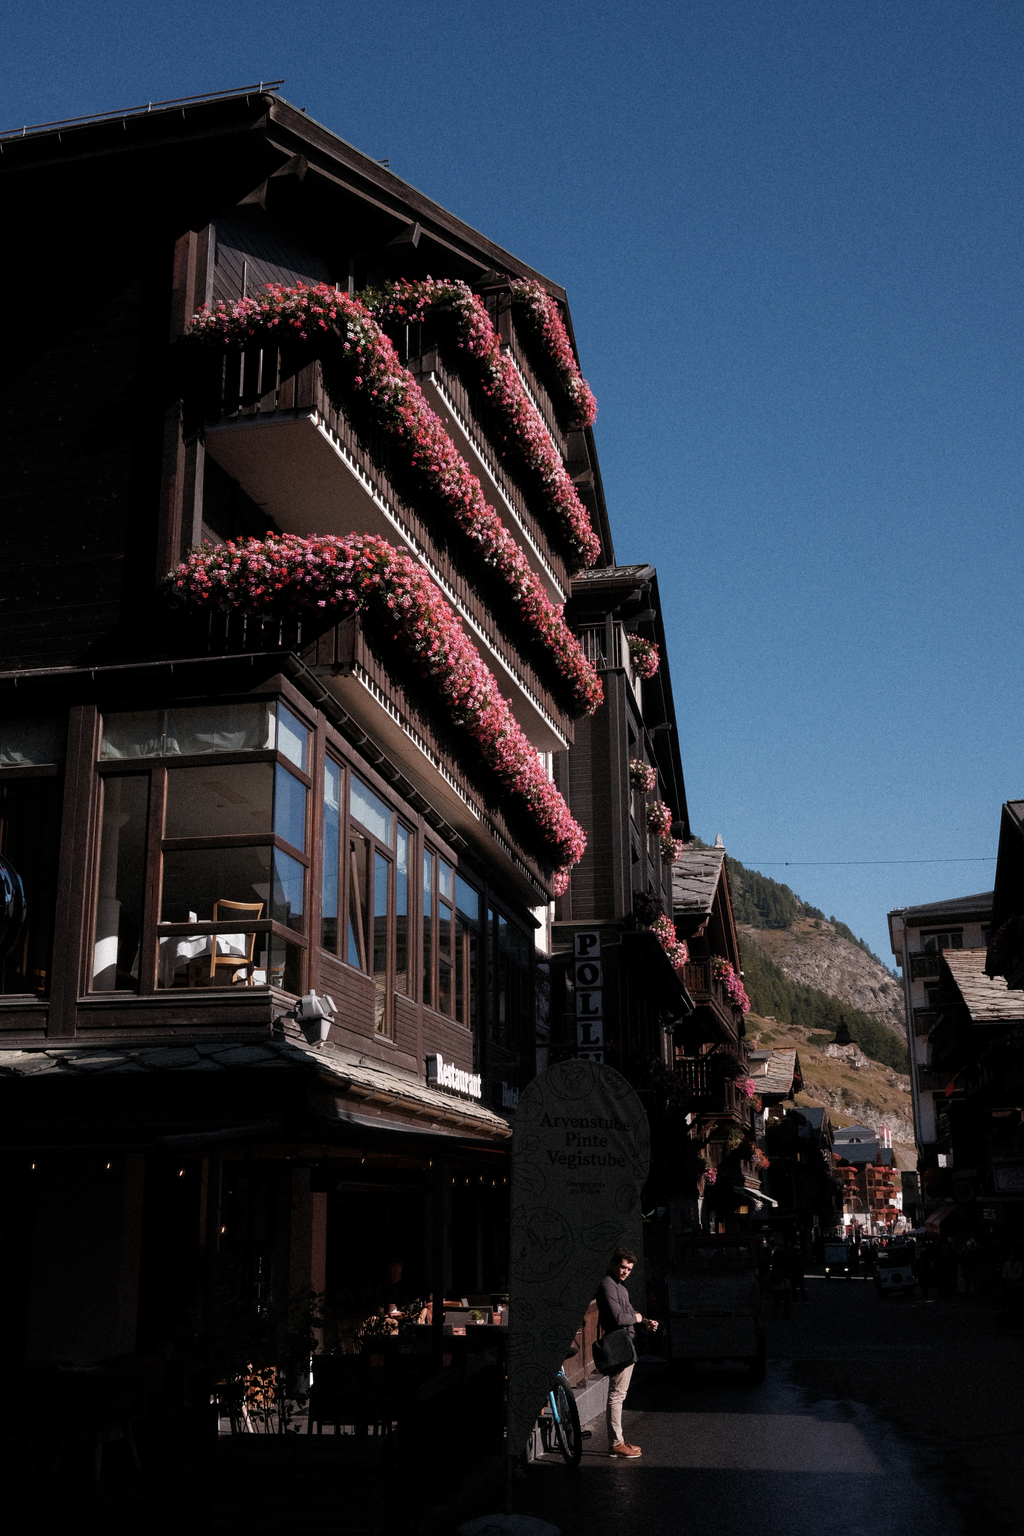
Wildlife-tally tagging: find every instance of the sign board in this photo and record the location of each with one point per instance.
(443, 1074)
(580, 1154)
(588, 981)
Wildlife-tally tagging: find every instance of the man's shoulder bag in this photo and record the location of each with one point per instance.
(614, 1352)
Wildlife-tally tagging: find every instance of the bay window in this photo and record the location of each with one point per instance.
(203, 857)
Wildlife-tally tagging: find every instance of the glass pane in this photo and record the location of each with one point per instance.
(292, 737)
(218, 802)
(115, 965)
(288, 906)
(357, 901)
(332, 848)
(403, 976)
(220, 728)
(444, 945)
(194, 882)
(380, 942)
(283, 964)
(370, 811)
(428, 932)
(39, 740)
(29, 833)
(446, 879)
(461, 932)
(290, 808)
(138, 734)
(444, 987)
(473, 988)
(188, 732)
(467, 899)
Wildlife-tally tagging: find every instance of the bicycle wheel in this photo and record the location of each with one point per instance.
(567, 1423)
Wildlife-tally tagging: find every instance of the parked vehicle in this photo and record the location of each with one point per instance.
(894, 1272)
(714, 1301)
(837, 1260)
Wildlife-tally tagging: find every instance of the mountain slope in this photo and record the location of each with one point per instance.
(813, 952)
(845, 1082)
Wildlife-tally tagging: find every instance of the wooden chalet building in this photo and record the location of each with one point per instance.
(710, 1044)
(222, 804)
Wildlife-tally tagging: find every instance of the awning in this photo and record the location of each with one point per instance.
(758, 1196)
(935, 1220)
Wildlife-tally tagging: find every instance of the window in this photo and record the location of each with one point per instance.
(509, 979)
(31, 752)
(932, 943)
(220, 823)
(366, 874)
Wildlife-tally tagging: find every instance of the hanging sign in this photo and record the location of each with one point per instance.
(580, 1154)
(588, 980)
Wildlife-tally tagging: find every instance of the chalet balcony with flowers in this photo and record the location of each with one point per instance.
(294, 493)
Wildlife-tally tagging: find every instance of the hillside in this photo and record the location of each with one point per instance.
(843, 1081)
(813, 952)
(804, 968)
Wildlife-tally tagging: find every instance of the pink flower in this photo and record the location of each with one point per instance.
(363, 571)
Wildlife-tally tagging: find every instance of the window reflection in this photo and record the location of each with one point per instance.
(332, 851)
(403, 976)
(380, 942)
(121, 883)
(370, 811)
(290, 808)
(358, 874)
(219, 801)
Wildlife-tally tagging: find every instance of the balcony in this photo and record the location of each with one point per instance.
(463, 411)
(924, 967)
(711, 1090)
(271, 426)
(707, 992)
(378, 707)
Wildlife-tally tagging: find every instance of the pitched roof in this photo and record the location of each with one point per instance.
(695, 877)
(781, 1069)
(987, 999)
(959, 908)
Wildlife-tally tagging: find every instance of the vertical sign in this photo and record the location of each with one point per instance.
(588, 979)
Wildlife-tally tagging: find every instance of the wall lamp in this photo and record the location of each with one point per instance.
(316, 1010)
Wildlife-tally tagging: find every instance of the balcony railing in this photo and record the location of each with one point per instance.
(924, 967)
(266, 384)
(708, 1086)
(699, 981)
(470, 407)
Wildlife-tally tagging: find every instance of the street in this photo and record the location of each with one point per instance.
(895, 1415)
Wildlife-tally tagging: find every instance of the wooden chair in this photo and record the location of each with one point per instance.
(250, 909)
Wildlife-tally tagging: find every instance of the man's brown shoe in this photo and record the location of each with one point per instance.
(622, 1449)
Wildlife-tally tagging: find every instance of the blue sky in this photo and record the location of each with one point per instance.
(791, 235)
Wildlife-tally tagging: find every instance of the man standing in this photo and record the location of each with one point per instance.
(615, 1310)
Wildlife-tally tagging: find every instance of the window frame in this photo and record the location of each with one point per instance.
(376, 850)
(156, 769)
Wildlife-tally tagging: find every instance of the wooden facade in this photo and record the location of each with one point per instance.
(215, 816)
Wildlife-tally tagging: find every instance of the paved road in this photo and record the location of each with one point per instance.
(895, 1417)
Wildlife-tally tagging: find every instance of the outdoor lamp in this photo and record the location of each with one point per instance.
(312, 1008)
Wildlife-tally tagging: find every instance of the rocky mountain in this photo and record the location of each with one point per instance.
(812, 951)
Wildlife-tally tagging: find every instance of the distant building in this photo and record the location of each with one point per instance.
(918, 936)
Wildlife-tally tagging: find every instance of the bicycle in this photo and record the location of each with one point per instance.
(565, 1417)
